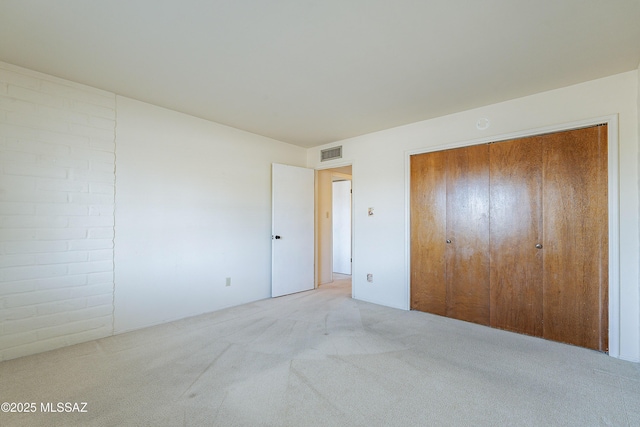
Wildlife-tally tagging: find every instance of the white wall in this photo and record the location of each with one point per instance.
(193, 207)
(56, 212)
(380, 172)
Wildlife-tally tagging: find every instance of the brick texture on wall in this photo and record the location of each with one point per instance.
(57, 177)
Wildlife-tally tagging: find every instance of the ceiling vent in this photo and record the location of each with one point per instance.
(331, 153)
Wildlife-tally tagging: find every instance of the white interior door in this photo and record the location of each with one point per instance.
(292, 240)
(341, 227)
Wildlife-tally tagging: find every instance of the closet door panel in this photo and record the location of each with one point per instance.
(467, 256)
(576, 237)
(428, 226)
(516, 229)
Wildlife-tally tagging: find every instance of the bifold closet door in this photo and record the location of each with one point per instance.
(450, 233)
(516, 235)
(428, 232)
(467, 234)
(576, 237)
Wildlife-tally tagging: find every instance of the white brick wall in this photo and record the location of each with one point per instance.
(57, 177)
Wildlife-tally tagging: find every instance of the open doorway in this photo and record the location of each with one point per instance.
(341, 208)
(333, 225)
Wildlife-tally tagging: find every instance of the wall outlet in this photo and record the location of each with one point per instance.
(369, 277)
(228, 281)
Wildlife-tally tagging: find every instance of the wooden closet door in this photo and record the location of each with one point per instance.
(467, 254)
(576, 237)
(516, 229)
(428, 226)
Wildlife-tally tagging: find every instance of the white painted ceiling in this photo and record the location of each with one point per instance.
(311, 72)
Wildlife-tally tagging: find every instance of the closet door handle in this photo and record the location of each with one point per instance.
(539, 246)
(448, 241)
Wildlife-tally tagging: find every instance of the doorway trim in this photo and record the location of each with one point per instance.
(613, 206)
(336, 165)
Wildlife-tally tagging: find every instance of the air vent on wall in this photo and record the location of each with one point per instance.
(331, 153)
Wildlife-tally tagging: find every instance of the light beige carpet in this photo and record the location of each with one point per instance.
(321, 358)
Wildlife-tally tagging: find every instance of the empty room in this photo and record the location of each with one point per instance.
(296, 213)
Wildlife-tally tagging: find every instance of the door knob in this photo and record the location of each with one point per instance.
(277, 237)
(448, 241)
(539, 246)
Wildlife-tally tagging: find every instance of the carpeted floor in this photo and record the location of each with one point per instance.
(322, 358)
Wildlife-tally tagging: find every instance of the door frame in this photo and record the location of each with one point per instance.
(613, 206)
(316, 227)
